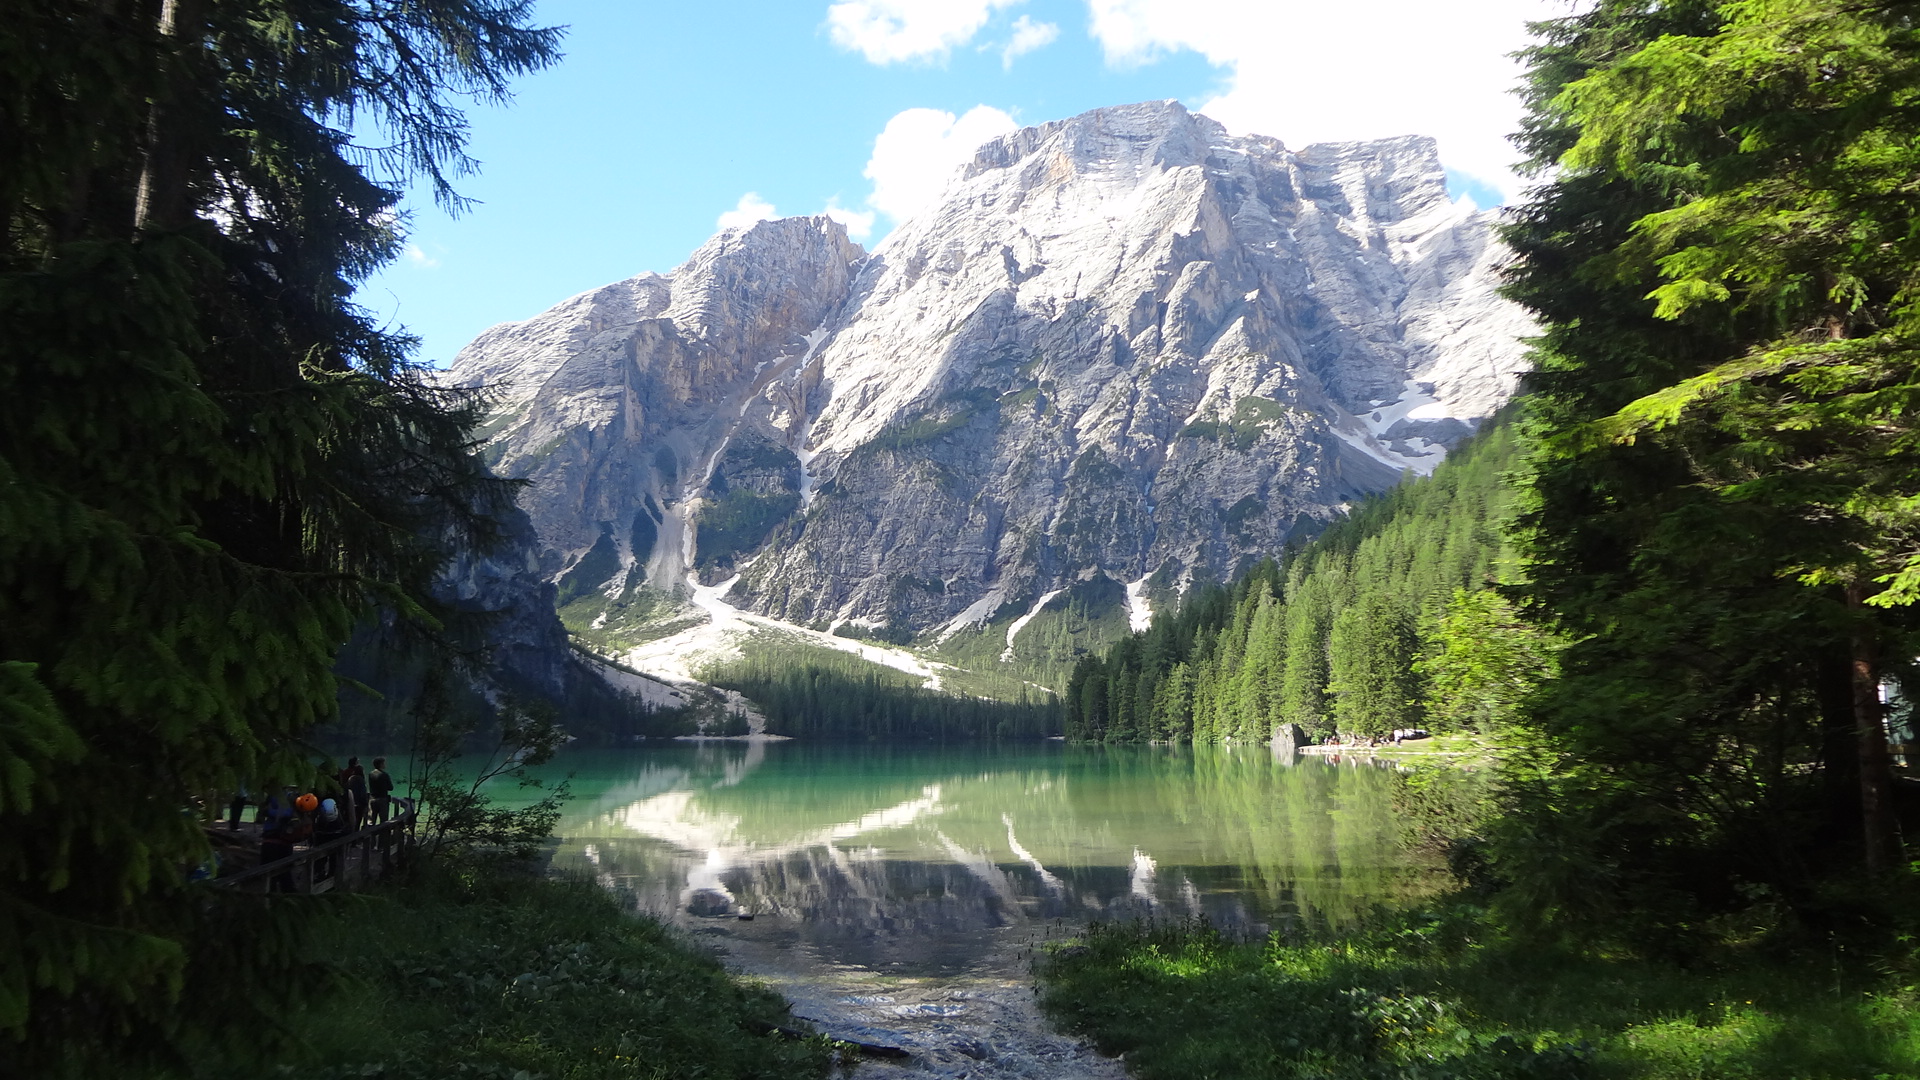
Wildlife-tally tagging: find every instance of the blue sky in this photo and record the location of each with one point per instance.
(661, 118)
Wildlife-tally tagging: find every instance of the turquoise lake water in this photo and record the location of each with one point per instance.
(918, 855)
(899, 893)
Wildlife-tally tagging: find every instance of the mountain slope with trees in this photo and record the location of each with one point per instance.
(1346, 633)
(1699, 864)
(1714, 486)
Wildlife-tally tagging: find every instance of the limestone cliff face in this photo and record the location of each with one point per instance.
(513, 604)
(613, 403)
(1123, 346)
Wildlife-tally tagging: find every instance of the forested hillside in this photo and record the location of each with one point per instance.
(819, 694)
(1711, 552)
(1344, 634)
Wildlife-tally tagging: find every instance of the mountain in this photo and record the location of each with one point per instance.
(1124, 352)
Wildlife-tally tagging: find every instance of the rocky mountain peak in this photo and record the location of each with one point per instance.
(1123, 348)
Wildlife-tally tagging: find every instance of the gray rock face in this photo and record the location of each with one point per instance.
(1125, 345)
(529, 650)
(611, 403)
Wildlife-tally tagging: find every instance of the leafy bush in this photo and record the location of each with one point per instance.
(459, 820)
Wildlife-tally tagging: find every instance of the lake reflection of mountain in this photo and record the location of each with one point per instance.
(853, 848)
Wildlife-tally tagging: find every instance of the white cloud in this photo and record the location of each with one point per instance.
(887, 31)
(859, 223)
(750, 209)
(1027, 36)
(1306, 71)
(918, 150)
(420, 258)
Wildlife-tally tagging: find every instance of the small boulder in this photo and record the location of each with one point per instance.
(1289, 738)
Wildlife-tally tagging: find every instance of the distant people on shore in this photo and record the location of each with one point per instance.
(283, 823)
(291, 817)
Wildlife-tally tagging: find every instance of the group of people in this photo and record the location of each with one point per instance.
(368, 797)
(287, 818)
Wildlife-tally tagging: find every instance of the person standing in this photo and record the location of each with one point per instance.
(235, 808)
(356, 795)
(380, 790)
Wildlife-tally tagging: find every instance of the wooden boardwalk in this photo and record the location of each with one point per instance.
(341, 864)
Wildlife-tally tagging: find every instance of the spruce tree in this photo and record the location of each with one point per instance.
(1373, 685)
(211, 466)
(1719, 458)
(1799, 221)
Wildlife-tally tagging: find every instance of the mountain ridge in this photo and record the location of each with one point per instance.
(1125, 346)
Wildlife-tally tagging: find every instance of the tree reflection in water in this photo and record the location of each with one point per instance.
(883, 856)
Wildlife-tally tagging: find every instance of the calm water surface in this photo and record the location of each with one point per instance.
(897, 891)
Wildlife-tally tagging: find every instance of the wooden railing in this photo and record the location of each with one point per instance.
(340, 864)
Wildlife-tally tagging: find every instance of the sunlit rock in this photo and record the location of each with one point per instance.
(1125, 347)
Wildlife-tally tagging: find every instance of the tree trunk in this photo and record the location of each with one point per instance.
(160, 200)
(1881, 833)
(1839, 745)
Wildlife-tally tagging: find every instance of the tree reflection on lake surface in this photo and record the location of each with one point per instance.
(916, 858)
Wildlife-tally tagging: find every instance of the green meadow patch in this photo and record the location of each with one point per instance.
(1444, 993)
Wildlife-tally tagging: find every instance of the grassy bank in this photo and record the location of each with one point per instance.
(1444, 994)
(523, 978)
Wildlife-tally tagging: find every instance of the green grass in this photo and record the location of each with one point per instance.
(1444, 993)
(1252, 417)
(920, 432)
(767, 651)
(639, 615)
(997, 685)
(772, 650)
(523, 977)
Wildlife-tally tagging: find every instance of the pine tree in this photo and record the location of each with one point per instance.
(1174, 704)
(1373, 685)
(1718, 260)
(1303, 684)
(1800, 219)
(211, 465)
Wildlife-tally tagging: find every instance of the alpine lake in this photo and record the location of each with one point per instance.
(897, 894)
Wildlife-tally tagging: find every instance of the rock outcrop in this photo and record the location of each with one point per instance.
(1125, 347)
